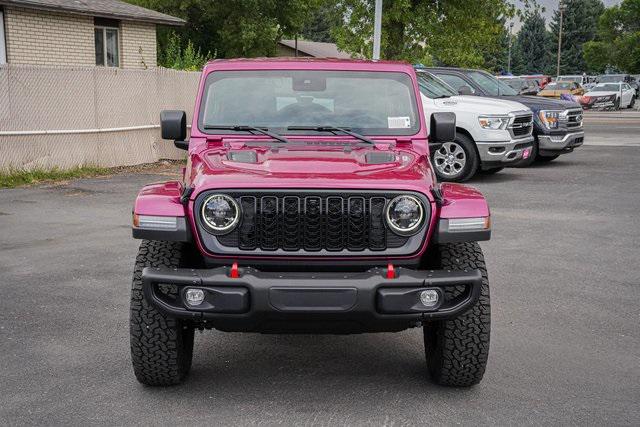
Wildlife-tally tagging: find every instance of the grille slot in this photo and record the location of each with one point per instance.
(313, 223)
(572, 118)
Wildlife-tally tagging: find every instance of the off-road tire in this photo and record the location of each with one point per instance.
(457, 349)
(546, 159)
(161, 346)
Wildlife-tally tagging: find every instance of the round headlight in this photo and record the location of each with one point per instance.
(220, 213)
(405, 215)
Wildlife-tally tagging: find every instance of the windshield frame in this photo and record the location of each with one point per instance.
(413, 131)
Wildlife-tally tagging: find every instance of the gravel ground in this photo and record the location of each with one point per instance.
(565, 339)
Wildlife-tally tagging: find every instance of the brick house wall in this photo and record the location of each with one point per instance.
(51, 38)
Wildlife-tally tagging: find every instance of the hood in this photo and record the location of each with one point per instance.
(596, 94)
(479, 104)
(309, 165)
(537, 103)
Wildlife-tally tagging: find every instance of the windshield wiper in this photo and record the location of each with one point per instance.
(240, 128)
(334, 129)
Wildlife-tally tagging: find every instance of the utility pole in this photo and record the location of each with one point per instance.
(561, 8)
(377, 30)
(509, 65)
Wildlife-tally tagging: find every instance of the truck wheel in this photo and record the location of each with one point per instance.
(456, 161)
(161, 346)
(457, 349)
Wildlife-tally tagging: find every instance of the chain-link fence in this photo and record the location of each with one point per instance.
(66, 117)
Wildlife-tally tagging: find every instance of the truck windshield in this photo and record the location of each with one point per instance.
(432, 87)
(609, 87)
(490, 84)
(369, 103)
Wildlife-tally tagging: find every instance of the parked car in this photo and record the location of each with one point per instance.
(621, 94)
(541, 79)
(490, 133)
(616, 78)
(308, 204)
(557, 89)
(521, 85)
(557, 124)
(576, 78)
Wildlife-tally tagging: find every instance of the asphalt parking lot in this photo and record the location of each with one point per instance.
(563, 266)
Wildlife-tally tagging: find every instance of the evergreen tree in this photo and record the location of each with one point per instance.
(579, 26)
(318, 29)
(532, 45)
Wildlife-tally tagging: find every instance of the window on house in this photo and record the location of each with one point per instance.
(107, 42)
(3, 48)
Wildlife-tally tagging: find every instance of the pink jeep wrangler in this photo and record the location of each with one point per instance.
(308, 205)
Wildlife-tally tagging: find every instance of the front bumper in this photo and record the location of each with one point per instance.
(559, 144)
(328, 302)
(504, 152)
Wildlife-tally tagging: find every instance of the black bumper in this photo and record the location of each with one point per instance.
(311, 302)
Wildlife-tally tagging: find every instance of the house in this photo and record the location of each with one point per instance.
(108, 33)
(310, 49)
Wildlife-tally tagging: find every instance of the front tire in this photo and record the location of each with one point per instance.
(456, 161)
(161, 346)
(457, 349)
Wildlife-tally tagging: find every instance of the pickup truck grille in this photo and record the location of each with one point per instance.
(574, 118)
(312, 222)
(522, 126)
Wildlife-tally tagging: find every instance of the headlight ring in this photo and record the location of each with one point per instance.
(404, 215)
(220, 213)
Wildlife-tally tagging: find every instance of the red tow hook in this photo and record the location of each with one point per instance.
(234, 273)
(391, 271)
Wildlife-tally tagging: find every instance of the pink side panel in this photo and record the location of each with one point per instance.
(161, 199)
(461, 201)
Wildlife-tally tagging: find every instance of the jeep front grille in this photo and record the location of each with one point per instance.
(315, 222)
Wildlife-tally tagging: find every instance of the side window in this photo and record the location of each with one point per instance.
(455, 81)
(107, 42)
(3, 50)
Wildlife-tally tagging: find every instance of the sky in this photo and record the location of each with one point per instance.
(551, 6)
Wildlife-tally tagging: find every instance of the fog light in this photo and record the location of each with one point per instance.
(194, 296)
(429, 298)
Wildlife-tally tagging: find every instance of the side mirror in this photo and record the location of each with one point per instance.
(173, 125)
(443, 128)
(465, 90)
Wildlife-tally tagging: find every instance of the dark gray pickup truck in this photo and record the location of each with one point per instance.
(557, 124)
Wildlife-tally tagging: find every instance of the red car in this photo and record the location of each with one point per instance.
(308, 204)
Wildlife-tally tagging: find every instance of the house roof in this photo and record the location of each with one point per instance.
(113, 9)
(316, 49)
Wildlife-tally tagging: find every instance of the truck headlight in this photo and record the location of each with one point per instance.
(220, 213)
(549, 119)
(405, 215)
(493, 122)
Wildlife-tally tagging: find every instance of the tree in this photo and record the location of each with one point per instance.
(233, 28)
(579, 24)
(325, 17)
(531, 45)
(174, 56)
(618, 41)
(453, 32)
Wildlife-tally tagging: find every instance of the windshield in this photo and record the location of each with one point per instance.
(432, 87)
(610, 87)
(612, 78)
(516, 84)
(559, 86)
(370, 103)
(490, 84)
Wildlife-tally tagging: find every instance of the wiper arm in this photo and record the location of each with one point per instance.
(240, 128)
(334, 129)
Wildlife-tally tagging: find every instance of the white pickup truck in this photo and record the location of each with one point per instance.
(490, 134)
